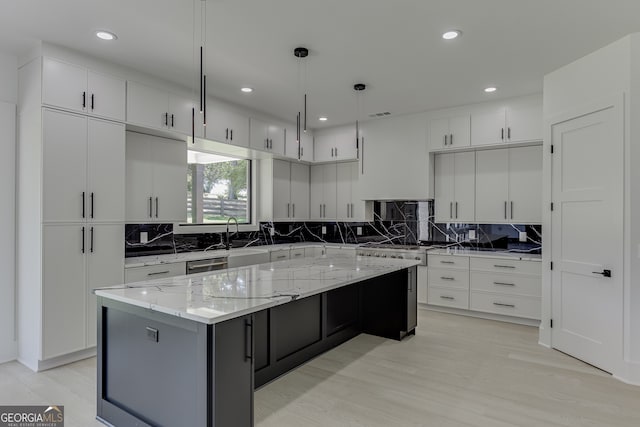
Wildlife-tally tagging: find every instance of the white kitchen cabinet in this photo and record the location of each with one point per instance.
(509, 185)
(335, 144)
(77, 89)
(280, 255)
(104, 266)
(266, 136)
(158, 109)
(225, 125)
(285, 192)
(422, 284)
(349, 206)
(394, 160)
(519, 120)
(323, 194)
(83, 168)
(454, 177)
(64, 297)
(156, 170)
(305, 151)
(77, 259)
(450, 132)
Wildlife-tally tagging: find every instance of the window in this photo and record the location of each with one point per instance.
(217, 188)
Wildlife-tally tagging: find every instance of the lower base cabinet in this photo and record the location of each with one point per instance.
(159, 369)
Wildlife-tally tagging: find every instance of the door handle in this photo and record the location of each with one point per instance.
(456, 210)
(157, 204)
(84, 100)
(227, 134)
(502, 134)
(293, 210)
(248, 331)
(288, 210)
(508, 133)
(166, 119)
(231, 132)
(451, 139)
(150, 207)
(92, 198)
(445, 140)
(92, 103)
(505, 210)
(604, 273)
(511, 210)
(91, 240)
(83, 203)
(172, 120)
(450, 209)
(82, 239)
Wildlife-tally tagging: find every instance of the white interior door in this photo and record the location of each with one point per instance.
(587, 236)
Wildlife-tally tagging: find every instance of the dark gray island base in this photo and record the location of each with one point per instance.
(157, 369)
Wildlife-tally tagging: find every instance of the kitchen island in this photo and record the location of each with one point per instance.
(190, 350)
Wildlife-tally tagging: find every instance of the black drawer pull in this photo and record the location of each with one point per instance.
(447, 297)
(500, 304)
(504, 266)
(447, 278)
(447, 262)
(504, 284)
(158, 272)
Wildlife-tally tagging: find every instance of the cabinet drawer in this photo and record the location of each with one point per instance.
(456, 298)
(448, 278)
(510, 305)
(297, 253)
(448, 261)
(279, 255)
(506, 266)
(512, 284)
(138, 274)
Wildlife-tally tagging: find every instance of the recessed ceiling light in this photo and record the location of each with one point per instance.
(322, 119)
(106, 35)
(451, 34)
(247, 89)
(490, 89)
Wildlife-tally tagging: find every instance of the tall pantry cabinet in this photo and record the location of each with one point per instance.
(71, 171)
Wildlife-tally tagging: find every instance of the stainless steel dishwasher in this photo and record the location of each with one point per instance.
(204, 265)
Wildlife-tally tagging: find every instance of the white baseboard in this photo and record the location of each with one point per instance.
(481, 315)
(43, 365)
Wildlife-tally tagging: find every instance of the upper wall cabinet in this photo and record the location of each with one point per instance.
(284, 191)
(266, 136)
(519, 120)
(224, 125)
(293, 151)
(153, 108)
(394, 161)
(450, 132)
(509, 185)
(336, 144)
(77, 89)
(455, 187)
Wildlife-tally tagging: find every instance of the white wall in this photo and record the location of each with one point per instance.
(8, 98)
(612, 70)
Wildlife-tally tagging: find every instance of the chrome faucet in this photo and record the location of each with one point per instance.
(227, 244)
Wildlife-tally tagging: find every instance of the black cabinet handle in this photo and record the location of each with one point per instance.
(82, 239)
(456, 210)
(84, 100)
(605, 273)
(505, 209)
(248, 337)
(508, 133)
(227, 135)
(502, 134)
(83, 203)
(92, 103)
(91, 239)
(511, 210)
(166, 119)
(92, 199)
(150, 207)
(157, 204)
(172, 120)
(231, 134)
(500, 304)
(451, 139)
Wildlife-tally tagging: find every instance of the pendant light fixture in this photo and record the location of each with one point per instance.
(301, 122)
(200, 47)
(359, 88)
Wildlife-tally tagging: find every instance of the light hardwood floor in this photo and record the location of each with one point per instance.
(456, 371)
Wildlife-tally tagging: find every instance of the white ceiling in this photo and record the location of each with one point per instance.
(394, 46)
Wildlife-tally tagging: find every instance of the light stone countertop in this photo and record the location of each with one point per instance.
(217, 296)
(522, 256)
(216, 253)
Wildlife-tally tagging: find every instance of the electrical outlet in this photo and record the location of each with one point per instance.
(324, 229)
(272, 231)
(522, 236)
(144, 237)
(472, 234)
(448, 237)
(359, 231)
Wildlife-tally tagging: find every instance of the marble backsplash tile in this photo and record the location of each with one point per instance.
(399, 223)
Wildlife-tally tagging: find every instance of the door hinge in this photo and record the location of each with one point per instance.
(551, 323)
(552, 206)
(551, 265)
(551, 148)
